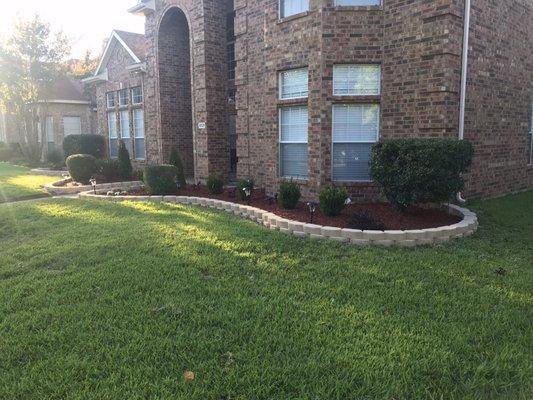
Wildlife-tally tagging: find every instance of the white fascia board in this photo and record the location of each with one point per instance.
(96, 78)
(139, 67)
(143, 7)
(105, 57)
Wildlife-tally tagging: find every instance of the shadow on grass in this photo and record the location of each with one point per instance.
(149, 290)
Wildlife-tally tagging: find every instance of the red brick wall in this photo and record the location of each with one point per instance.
(500, 96)
(419, 45)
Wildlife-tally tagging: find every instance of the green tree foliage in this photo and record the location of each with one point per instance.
(30, 61)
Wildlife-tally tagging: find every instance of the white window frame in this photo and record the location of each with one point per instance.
(125, 128)
(337, 67)
(378, 134)
(110, 100)
(141, 95)
(280, 9)
(111, 137)
(360, 3)
(120, 97)
(281, 79)
(283, 142)
(71, 118)
(137, 136)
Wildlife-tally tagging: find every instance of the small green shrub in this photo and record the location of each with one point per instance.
(138, 175)
(108, 169)
(94, 145)
(125, 170)
(175, 160)
(81, 167)
(245, 183)
(332, 200)
(412, 171)
(160, 180)
(55, 159)
(215, 184)
(289, 195)
(10, 152)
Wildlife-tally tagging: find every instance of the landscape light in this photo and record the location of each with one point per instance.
(93, 184)
(312, 209)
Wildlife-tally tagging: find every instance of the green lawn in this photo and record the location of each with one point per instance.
(18, 183)
(116, 301)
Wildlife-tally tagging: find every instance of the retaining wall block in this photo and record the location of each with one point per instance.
(312, 229)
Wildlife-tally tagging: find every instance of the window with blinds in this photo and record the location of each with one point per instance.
(113, 134)
(125, 133)
(356, 80)
(293, 123)
(355, 130)
(292, 7)
(71, 126)
(138, 133)
(294, 84)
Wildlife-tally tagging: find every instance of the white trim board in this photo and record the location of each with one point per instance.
(107, 52)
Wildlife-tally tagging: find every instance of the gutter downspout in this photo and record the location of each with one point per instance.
(464, 76)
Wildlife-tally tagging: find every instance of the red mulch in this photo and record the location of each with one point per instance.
(413, 218)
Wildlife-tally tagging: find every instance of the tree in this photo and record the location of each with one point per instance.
(85, 67)
(30, 61)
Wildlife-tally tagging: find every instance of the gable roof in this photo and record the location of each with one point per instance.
(134, 44)
(64, 89)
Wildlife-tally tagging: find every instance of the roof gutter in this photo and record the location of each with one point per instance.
(464, 70)
(464, 77)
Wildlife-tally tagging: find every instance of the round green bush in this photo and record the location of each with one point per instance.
(215, 184)
(412, 171)
(332, 200)
(81, 167)
(94, 145)
(160, 180)
(289, 195)
(108, 169)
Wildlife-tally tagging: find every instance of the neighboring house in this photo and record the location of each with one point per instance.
(301, 89)
(119, 82)
(64, 110)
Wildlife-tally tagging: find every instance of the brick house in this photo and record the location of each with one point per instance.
(64, 109)
(278, 89)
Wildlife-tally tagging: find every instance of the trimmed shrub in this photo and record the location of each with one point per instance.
(138, 175)
(55, 159)
(94, 145)
(332, 201)
(366, 222)
(413, 171)
(215, 184)
(289, 195)
(125, 170)
(245, 183)
(10, 151)
(108, 169)
(160, 180)
(81, 167)
(175, 160)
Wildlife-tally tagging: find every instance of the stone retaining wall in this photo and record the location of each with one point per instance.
(57, 188)
(411, 238)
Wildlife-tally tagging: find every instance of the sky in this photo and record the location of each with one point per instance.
(86, 23)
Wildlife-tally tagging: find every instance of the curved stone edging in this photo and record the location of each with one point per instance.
(411, 238)
(56, 189)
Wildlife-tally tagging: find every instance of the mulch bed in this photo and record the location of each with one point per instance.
(413, 218)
